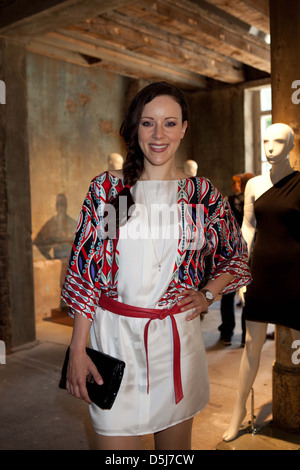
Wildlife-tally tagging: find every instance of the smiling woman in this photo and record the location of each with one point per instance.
(141, 298)
(131, 128)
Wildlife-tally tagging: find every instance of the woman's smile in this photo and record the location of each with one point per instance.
(158, 148)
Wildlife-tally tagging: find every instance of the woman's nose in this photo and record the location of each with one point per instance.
(157, 132)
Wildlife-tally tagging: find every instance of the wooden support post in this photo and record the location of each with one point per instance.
(285, 70)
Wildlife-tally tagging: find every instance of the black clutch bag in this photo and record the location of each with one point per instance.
(111, 371)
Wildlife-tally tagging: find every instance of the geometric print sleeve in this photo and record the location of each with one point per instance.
(227, 247)
(81, 287)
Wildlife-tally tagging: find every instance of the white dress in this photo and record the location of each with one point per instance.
(142, 284)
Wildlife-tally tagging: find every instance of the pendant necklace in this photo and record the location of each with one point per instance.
(159, 261)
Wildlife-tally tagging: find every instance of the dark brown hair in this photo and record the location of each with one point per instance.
(134, 164)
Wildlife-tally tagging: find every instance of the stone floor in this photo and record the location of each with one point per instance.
(36, 414)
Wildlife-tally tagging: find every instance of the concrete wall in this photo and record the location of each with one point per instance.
(218, 135)
(74, 115)
(16, 280)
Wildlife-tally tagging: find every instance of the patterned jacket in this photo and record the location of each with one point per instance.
(93, 266)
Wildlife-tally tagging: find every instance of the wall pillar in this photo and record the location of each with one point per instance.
(285, 67)
(17, 324)
(285, 70)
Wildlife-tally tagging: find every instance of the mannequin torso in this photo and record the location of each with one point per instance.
(278, 142)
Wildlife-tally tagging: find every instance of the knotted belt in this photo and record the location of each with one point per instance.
(153, 314)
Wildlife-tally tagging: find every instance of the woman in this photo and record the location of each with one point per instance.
(165, 381)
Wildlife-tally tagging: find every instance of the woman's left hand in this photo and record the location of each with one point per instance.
(192, 299)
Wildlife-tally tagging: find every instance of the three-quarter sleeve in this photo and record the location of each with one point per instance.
(228, 249)
(81, 286)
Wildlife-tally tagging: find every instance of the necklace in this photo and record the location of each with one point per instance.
(159, 260)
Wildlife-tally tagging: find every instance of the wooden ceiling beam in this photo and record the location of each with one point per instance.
(159, 46)
(177, 40)
(27, 18)
(123, 62)
(252, 12)
(189, 21)
(49, 50)
(135, 23)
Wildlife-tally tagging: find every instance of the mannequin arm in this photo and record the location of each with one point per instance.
(249, 221)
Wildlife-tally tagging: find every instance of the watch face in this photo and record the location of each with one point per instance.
(209, 295)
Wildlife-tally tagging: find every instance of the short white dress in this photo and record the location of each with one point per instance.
(142, 284)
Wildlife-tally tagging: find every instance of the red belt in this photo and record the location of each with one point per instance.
(153, 314)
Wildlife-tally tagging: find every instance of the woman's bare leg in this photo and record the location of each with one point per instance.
(178, 437)
(118, 442)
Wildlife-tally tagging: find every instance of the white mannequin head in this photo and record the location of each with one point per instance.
(190, 167)
(115, 161)
(278, 142)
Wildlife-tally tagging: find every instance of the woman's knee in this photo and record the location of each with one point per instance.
(118, 442)
(177, 437)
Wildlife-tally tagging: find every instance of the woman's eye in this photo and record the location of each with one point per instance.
(146, 123)
(171, 123)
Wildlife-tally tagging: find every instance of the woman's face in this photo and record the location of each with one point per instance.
(161, 130)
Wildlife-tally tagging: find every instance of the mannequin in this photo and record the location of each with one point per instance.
(115, 161)
(278, 142)
(190, 167)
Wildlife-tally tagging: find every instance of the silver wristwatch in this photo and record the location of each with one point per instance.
(208, 295)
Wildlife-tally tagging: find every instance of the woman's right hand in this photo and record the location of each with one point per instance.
(79, 367)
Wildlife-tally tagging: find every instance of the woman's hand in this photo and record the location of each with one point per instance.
(192, 300)
(79, 367)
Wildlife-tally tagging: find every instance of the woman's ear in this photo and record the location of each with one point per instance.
(184, 128)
